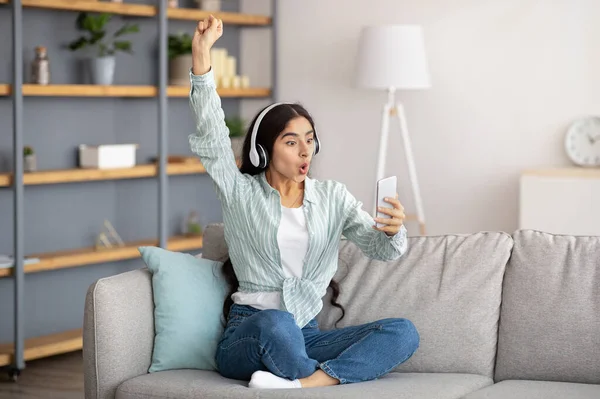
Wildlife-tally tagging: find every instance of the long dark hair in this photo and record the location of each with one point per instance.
(270, 127)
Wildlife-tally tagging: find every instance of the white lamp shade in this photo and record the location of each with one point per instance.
(392, 56)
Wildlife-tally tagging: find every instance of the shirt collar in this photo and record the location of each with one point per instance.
(309, 187)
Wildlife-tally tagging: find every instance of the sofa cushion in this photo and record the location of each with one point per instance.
(188, 297)
(448, 286)
(550, 318)
(184, 384)
(537, 390)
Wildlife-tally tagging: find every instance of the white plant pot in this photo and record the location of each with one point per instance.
(29, 163)
(102, 70)
(179, 70)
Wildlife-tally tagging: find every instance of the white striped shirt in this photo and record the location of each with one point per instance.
(252, 212)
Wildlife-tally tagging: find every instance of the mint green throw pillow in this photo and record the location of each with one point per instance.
(188, 304)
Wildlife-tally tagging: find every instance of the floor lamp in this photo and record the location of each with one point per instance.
(391, 58)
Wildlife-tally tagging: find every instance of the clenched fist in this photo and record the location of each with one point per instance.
(207, 32)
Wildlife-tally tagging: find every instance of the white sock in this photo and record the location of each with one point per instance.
(264, 379)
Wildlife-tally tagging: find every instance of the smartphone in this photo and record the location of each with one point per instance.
(386, 188)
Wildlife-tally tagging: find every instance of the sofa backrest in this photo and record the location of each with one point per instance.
(550, 317)
(214, 246)
(448, 286)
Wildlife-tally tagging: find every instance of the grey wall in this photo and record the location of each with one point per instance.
(65, 216)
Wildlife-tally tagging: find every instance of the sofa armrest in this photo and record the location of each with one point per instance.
(118, 332)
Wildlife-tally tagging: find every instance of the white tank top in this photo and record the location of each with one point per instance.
(292, 238)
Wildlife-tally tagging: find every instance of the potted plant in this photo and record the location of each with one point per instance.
(237, 132)
(192, 225)
(105, 46)
(180, 59)
(29, 159)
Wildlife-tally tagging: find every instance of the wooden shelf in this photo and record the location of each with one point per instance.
(88, 91)
(84, 175)
(68, 341)
(89, 256)
(34, 90)
(44, 346)
(143, 10)
(233, 18)
(184, 91)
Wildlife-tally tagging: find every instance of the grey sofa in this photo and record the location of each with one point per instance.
(500, 316)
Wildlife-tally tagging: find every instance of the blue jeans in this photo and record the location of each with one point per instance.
(270, 340)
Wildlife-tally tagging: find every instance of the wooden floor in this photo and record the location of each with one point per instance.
(57, 377)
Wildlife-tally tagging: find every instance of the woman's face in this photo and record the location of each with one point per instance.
(293, 149)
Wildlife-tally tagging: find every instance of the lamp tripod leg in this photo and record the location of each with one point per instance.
(399, 110)
(383, 142)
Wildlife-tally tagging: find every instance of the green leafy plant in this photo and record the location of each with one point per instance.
(236, 126)
(180, 44)
(194, 229)
(27, 150)
(95, 26)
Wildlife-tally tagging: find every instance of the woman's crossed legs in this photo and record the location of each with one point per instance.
(269, 349)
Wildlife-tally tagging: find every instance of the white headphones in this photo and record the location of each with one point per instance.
(258, 155)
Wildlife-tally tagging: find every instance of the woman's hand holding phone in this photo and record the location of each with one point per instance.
(389, 225)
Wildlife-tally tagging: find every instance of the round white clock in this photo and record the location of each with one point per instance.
(582, 141)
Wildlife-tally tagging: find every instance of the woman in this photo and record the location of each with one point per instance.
(283, 231)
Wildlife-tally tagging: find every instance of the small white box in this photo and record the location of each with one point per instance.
(108, 156)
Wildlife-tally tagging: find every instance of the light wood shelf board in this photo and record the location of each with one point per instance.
(143, 10)
(227, 17)
(48, 345)
(85, 175)
(140, 10)
(185, 169)
(88, 256)
(184, 91)
(76, 90)
(81, 90)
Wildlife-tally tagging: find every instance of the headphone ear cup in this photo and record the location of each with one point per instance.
(263, 157)
(317, 145)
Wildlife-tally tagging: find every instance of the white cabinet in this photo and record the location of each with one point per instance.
(560, 201)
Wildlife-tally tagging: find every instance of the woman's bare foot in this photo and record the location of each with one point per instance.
(318, 379)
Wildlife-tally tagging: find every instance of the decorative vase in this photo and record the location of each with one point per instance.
(209, 5)
(102, 70)
(29, 163)
(179, 70)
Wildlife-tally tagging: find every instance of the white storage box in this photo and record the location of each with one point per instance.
(108, 156)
